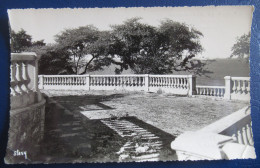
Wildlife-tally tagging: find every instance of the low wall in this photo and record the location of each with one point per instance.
(228, 138)
(26, 131)
(176, 84)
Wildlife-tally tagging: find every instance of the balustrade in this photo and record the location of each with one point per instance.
(217, 140)
(23, 80)
(237, 88)
(169, 81)
(216, 91)
(108, 82)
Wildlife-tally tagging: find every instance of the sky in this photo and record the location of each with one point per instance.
(220, 26)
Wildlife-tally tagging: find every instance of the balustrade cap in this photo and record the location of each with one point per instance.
(25, 56)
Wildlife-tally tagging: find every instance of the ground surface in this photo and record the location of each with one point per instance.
(121, 126)
(169, 113)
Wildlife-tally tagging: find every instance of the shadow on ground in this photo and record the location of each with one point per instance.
(71, 137)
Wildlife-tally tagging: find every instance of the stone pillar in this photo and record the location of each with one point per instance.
(146, 83)
(41, 82)
(227, 87)
(192, 85)
(87, 85)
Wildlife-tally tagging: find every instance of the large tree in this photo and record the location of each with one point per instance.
(241, 48)
(86, 46)
(147, 49)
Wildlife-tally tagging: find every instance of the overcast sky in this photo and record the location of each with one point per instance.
(220, 25)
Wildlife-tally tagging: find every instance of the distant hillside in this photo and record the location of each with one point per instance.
(218, 69)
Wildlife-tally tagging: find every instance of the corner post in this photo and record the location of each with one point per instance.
(192, 85)
(227, 87)
(146, 83)
(40, 81)
(87, 85)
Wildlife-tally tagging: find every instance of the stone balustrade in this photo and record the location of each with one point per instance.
(27, 106)
(228, 138)
(216, 91)
(176, 84)
(237, 88)
(23, 80)
(117, 82)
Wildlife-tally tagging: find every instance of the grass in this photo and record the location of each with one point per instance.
(169, 113)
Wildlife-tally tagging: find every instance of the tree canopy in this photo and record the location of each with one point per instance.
(141, 47)
(241, 48)
(147, 49)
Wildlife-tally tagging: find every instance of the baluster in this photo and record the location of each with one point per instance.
(174, 82)
(19, 78)
(244, 136)
(152, 81)
(239, 86)
(109, 81)
(25, 77)
(243, 87)
(239, 137)
(90, 81)
(216, 92)
(13, 82)
(249, 135)
(98, 81)
(248, 86)
(114, 81)
(211, 92)
(129, 81)
(81, 80)
(118, 81)
(197, 90)
(177, 82)
(70, 82)
(234, 86)
(94, 81)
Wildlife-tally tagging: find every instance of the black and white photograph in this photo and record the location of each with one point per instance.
(98, 85)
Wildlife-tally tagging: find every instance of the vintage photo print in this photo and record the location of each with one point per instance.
(130, 84)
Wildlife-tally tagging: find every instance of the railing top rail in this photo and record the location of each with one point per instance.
(176, 76)
(64, 75)
(213, 87)
(240, 78)
(26, 56)
(227, 121)
(130, 75)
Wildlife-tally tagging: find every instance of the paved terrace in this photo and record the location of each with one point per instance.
(123, 126)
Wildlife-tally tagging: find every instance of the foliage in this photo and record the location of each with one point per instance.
(52, 60)
(20, 41)
(241, 48)
(135, 45)
(80, 43)
(146, 49)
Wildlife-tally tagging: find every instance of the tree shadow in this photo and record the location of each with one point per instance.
(72, 137)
